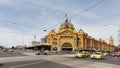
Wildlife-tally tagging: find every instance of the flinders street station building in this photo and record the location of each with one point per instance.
(67, 38)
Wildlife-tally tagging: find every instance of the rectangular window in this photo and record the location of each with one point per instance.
(71, 36)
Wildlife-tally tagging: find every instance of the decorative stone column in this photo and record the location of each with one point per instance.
(85, 44)
(75, 44)
(59, 49)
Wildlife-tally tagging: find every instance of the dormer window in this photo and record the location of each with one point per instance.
(66, 26)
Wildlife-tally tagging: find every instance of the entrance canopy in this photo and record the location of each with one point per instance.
(40, 46)
(67, 47)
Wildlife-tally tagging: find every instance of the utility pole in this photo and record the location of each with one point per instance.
(118, 35)
(23, 43)
(119, 38)
(34, 42)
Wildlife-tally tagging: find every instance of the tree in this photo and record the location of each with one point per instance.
(13, 47)
(116, 48)
(1, 47)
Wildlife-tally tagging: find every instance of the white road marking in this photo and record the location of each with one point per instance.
(27, 64)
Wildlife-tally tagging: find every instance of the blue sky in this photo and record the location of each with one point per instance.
(20, 20)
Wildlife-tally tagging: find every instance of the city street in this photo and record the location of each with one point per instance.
(11, 54)
(33, 64)
(58, 61)
(108, 59)
(59, 34)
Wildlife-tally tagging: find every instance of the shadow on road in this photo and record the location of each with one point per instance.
(34, 64)
(1, 65)
(108, 59)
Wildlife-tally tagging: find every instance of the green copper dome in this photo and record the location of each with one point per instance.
(67, 25)
(81, 30)
(52, 31)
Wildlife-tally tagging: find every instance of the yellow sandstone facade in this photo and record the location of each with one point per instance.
(67, 38)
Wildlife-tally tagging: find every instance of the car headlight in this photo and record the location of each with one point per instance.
(77, 54)
(99, 56)
(91, 55)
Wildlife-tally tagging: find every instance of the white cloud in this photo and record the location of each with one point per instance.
(98, 30)
(4, 1)
(10, 37)
(90, 15)
(48, 13)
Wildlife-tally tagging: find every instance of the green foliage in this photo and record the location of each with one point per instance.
(1, 47)
(13, 47)
(116, 49)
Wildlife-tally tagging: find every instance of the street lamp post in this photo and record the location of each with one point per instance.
(119, 40)
(118, 25)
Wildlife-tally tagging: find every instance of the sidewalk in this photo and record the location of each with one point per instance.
(29, 53)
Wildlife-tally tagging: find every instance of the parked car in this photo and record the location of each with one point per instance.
(40, 52)
(116, 54)
(111, 53)
(82, 54)
(47, 52)
(4, 50)
(11, 50)
(97, 55)
(105, 53)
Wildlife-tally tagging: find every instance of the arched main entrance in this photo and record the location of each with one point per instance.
(66, 47)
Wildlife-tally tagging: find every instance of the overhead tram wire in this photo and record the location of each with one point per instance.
(88, 1)
(73, 8)
(87, 9)
(54, 26)
(18, 24)
(106, 18)
(8, 31)
(68, 17)
(110, 17)
(74, 15)
(84, 10)
(51, 27)
(25, 26)
(58, 23)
